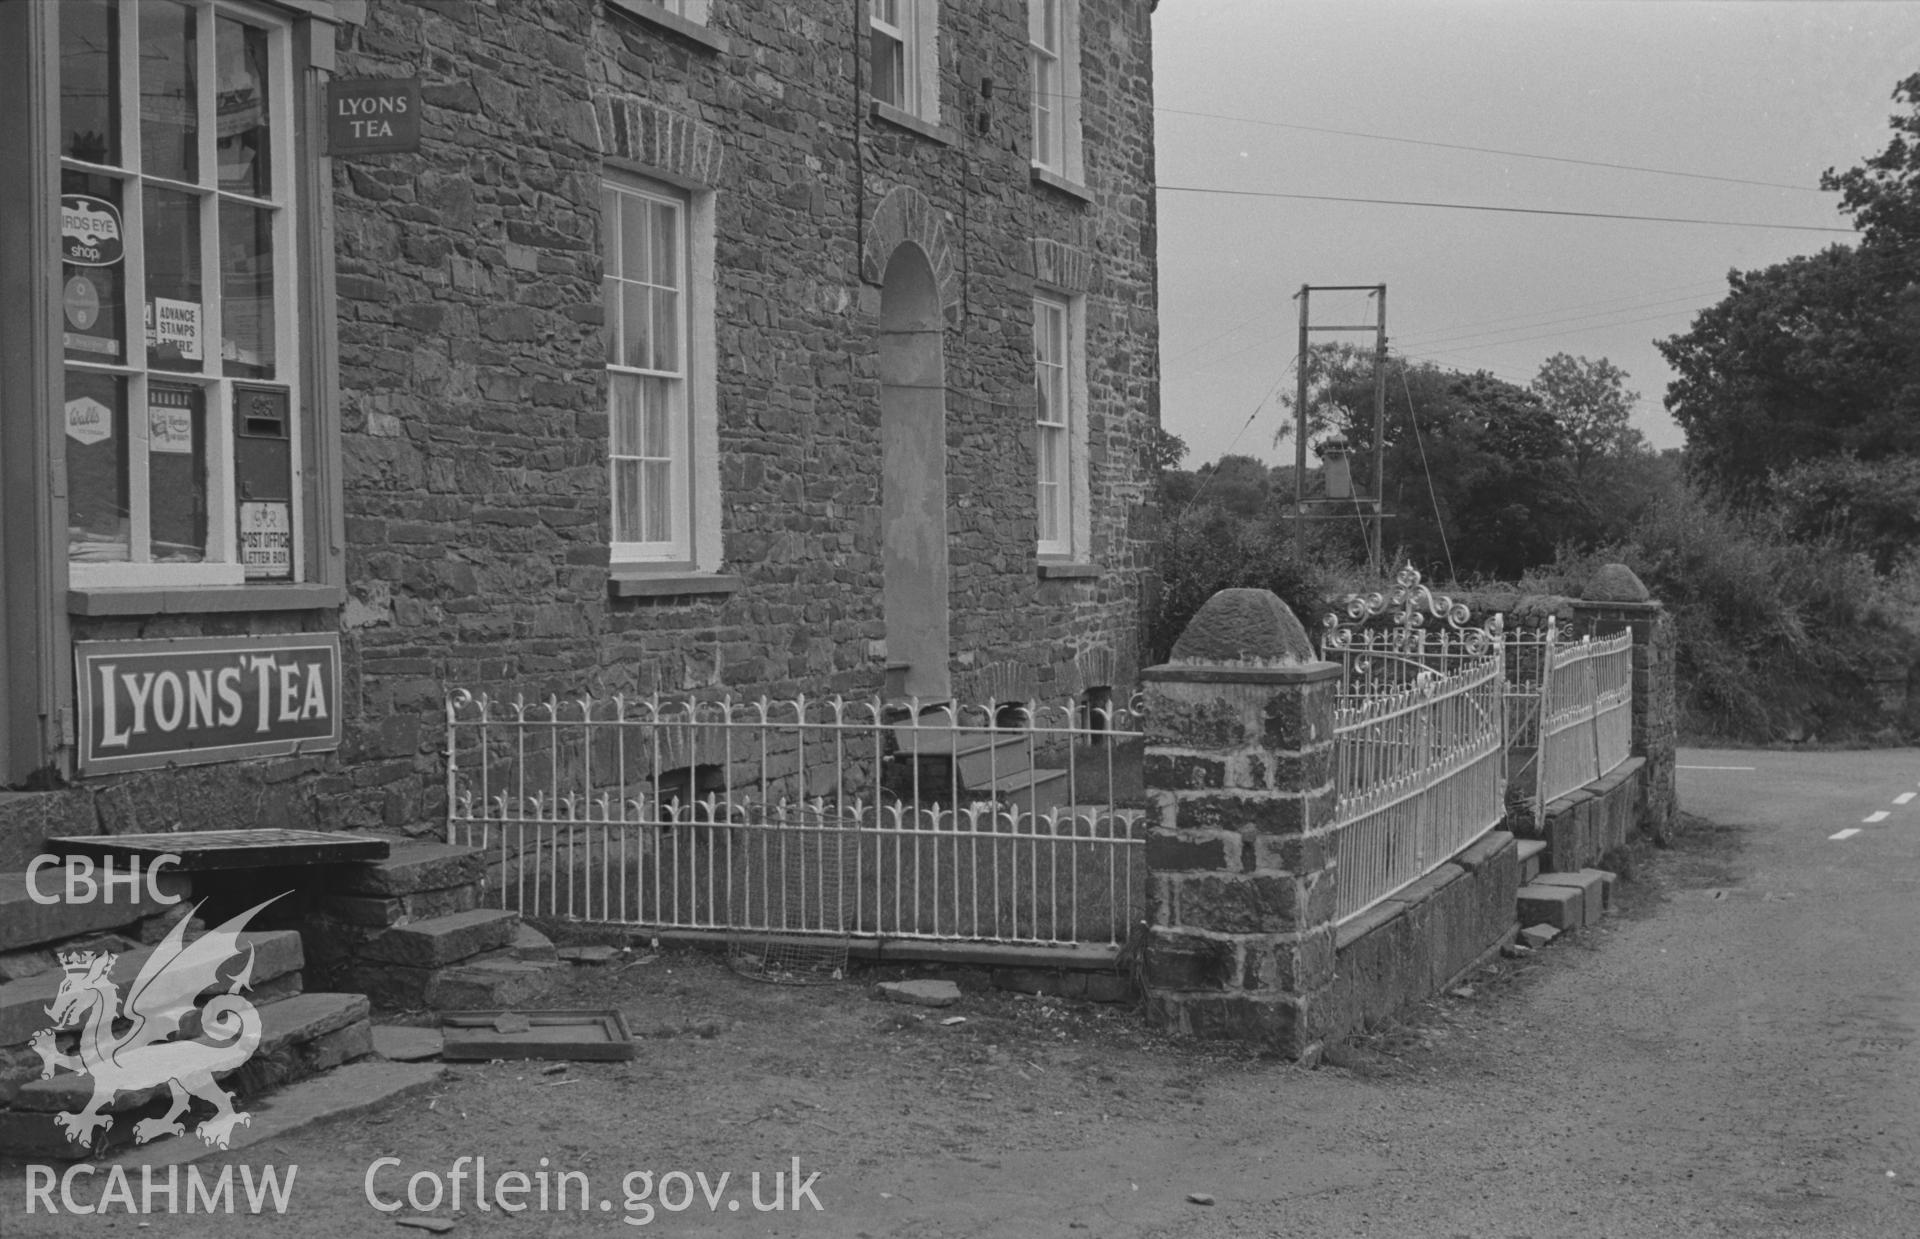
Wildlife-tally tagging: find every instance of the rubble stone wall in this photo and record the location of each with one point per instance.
(473, 399)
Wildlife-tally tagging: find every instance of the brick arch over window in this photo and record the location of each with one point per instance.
(906, 214)
(670, 142)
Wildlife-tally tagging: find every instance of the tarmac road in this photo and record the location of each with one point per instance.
(1742, 1059)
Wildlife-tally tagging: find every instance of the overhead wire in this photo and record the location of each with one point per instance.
(1503, 210)
(1491, 150)
(1232, 443)
(1432, 497)
(1463, 336)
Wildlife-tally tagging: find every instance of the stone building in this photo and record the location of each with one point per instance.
(549, 345)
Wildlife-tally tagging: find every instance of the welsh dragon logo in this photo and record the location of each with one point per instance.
(159, 1005)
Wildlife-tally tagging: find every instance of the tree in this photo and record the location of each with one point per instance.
(1811, 357)
(1883, 196)
(1820, 355)
(1591, 402)
(1165, 450)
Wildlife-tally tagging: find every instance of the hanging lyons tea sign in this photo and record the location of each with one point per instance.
(373, 116)
(145, 704)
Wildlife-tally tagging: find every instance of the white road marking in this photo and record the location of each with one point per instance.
(1903, 798)
(1715, 768)
(1878, 815)
(1848, 833)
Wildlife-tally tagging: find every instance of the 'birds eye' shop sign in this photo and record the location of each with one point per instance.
(195, 700)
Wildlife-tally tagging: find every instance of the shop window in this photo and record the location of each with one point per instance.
(1053, 51)
(662, 446)
(182, 401)
(1060, 426)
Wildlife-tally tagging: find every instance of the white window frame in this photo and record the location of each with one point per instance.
(1062, 517)
(694, 11)
(914, 35)
(693, 506)
(221, 565)
(1053, 56)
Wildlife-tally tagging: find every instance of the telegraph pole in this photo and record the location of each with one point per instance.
(1378, 327)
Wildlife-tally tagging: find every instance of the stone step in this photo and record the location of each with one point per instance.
(1030, 791)
(298, 1037)
(1595, 886)
(413, 865)
(384, 911)
(532, 946)
(495, 983)
(1562, 907)
(1529, 851)
(993, 756)
(442, 940)
(24, 922)
(405, 1044)
(492, 980)
(23, 1003)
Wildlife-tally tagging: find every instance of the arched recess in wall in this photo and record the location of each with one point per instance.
(913, 475)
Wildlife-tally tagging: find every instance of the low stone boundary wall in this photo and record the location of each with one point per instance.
(1584, 825)
(1424, 939)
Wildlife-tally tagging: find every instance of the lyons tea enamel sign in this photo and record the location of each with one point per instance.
(191, 701)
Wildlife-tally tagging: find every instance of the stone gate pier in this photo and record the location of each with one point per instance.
(1240, 767)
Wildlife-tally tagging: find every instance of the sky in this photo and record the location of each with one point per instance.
(1745, 90)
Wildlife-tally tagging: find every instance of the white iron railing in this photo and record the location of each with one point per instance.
(1586, 712)
(1420, 772)
(1419, 738)
(1431, 715)
(1000, 823)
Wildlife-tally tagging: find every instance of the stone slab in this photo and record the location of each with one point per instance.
(1591, 889)
(504, 983)
(413, 865)
(23, 1003)
(922, 993)
(352, 1090)
(285, 1024)
(25, 923)
(1563, 907)
(442, 940)
(530, 945)
(381, 911)
(1537, 936)
(229, 849)
(400, 1044)
(598, 954)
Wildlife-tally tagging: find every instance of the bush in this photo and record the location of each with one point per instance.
(1208, 550)
(1776, 635)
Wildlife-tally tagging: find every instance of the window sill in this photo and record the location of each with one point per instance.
(638, 583)
(1062, 570)
(648, 13)
(203, 599)
(913, 124)
(1060, 184)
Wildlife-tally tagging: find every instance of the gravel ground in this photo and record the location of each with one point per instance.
(1595, 1088)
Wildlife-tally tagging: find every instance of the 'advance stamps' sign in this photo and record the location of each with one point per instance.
(370, 116)
(206, 699)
